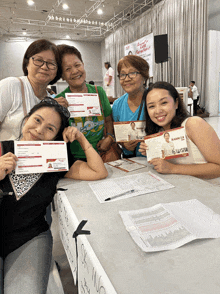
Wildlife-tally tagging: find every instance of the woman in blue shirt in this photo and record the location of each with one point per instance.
(133, 73)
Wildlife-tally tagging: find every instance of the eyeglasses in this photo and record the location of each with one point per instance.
(40, 62)
(131, 75)
(54, 102)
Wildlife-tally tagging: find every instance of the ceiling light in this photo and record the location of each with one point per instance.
(30, 2)
(24, 33)
(99, 11)
(65, 6)
(67, 36)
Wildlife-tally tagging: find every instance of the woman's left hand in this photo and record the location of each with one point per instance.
(70, 134)
(104, 144)
(162, 166)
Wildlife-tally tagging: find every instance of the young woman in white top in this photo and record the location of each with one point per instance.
(164, 111)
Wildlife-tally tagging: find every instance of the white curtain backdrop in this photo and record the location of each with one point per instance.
(185, 22)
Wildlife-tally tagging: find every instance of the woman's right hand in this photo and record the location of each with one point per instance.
(130, 145)
(62, 101)
(7, 164)
(143, 148)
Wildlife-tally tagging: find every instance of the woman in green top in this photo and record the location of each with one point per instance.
(74, 74)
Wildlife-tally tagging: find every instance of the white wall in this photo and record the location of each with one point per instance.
(213, 70)
(214, 15)
(11, 56)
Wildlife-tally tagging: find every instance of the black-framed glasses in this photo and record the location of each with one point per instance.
(52, 101)
(131, 75)
(40, 62)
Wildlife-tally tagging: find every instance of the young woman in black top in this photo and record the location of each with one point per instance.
(26, 242)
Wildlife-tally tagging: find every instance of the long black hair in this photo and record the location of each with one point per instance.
(181, 112)
(58, 108)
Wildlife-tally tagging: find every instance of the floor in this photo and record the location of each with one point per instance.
(58, 250)
(215, 123)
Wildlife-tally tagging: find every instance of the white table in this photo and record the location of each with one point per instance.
(191, 269)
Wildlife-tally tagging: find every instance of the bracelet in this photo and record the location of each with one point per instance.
(87, 148)
(111, 136)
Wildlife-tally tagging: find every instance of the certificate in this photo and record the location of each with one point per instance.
(168, 144)
(40, 156)
(129, 130)
(83, 104)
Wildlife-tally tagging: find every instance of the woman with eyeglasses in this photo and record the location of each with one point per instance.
(73, 72)
(133, 73)
(41, 66)
(26, 241)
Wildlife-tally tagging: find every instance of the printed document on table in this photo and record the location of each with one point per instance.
(41, 156)
(83, 104)
(167, 226)
(129, 186)
(126, 165)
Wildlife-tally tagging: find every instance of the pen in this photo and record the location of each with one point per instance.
(121, 194)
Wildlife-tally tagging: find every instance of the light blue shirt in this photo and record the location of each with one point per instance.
(122, 112)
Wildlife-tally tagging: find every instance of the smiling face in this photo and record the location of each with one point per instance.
(42, 125)
(42, 75)
(73, 71)
(134, 85)
(161, 107)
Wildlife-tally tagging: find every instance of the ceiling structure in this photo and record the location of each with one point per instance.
(80, 21)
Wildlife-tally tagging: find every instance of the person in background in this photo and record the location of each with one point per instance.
(73, 72)
(109, 80)
(165, 110)
(193, 93)
(26, 241)
(41, 66)
(133, 73)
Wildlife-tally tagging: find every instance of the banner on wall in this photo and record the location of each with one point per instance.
(143, 47)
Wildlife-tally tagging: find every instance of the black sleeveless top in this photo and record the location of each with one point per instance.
(23, 217)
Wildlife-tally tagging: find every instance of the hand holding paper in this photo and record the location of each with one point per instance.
(8, 163)
(62, 101)
(143, 148)
(130, 145)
